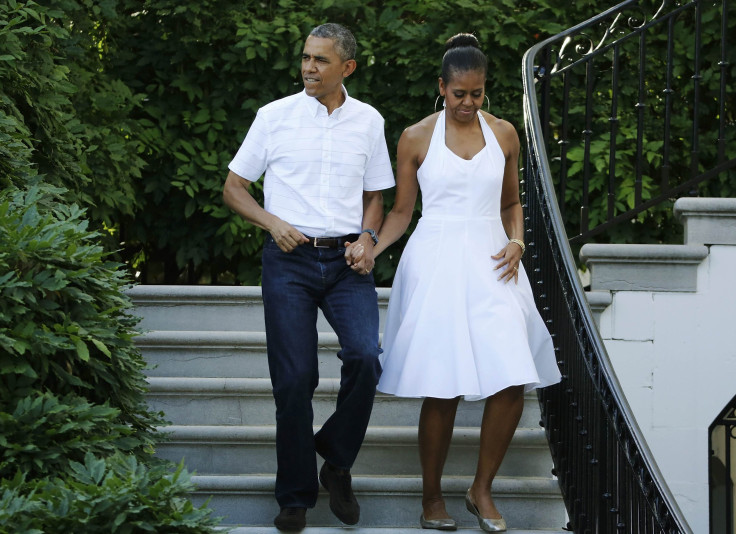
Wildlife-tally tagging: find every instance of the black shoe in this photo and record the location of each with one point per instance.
(293, 519)
(342, 499)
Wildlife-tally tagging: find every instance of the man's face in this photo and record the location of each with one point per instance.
(322, 68)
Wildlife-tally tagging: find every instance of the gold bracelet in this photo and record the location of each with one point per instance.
(520, 243)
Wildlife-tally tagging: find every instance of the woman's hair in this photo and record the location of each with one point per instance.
(340, 35)
(462, 54)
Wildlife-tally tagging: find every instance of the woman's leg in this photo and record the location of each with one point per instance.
(436, 422)
(500, 419)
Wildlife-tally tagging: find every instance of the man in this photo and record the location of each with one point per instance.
(325, 160)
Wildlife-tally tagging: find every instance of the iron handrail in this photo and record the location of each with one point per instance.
(609, 478)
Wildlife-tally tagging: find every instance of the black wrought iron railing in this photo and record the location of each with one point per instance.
(649, 143)
(637, 108)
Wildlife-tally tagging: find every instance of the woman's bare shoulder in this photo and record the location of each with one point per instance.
(497, 123)
(504, 131)
(422, 130)
(415, 140)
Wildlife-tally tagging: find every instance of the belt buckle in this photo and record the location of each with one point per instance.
(318, 239)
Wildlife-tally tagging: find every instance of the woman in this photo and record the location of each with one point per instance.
(455, 325)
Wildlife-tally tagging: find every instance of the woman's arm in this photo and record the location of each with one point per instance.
(412, 149)
(512, 215)
(407, 187)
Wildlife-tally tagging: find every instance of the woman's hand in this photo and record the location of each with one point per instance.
(358, 259)
(509, 259)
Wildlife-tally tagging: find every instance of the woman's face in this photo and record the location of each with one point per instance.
(464, 94)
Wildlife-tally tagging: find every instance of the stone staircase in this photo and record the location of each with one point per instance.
(207, 350)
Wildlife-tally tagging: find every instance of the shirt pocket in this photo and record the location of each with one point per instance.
(349, 168)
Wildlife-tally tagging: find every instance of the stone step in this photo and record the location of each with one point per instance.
(197, 308)
(237, 450)
(219, 353)
(643, 267)
(389, 501)
(709, 221)
(249, 401)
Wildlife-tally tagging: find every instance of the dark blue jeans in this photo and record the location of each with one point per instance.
(295, 285)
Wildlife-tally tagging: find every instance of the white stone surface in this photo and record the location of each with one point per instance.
(675, 356)
(633, 326)
(599, 301)
(637, 267)
(710, 221)
(630, 361)
(605, 322)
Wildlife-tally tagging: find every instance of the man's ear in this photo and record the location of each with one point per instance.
(349, 67)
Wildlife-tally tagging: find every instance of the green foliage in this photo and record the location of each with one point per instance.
(35, 107)
(76, 437)
(43, 433)
(61, 114)
(64, 322)
(207, 66)
(136, 108)
(115, 495)
(648, 161)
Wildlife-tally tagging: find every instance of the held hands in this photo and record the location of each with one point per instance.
(359, 256)
(509, 260)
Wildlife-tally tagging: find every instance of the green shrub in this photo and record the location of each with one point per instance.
(44, 433)
(64, 321)
(115, 495)
(61, 114)
(76, 437)
(136, 108)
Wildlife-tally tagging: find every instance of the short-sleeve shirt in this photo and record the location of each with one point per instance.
(316, 165)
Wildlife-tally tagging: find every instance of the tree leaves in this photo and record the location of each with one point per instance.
(75, 433)
(115, 495)
(61, 301)
(205, 69)
(137, 108)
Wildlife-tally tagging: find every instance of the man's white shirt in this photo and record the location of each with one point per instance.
(316, 165)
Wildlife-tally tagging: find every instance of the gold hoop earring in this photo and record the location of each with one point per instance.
(488, 104)
(437, 100)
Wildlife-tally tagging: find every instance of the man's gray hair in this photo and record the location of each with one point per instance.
(340, 35)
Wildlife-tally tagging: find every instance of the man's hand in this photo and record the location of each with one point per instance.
(236, 195)
(286, 236)
(359, 255)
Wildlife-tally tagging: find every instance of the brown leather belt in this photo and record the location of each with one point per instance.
(332, 242)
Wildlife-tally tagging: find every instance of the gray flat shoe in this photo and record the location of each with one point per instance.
(438, 524)
(488, 525)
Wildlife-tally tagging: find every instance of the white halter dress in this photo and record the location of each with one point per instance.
(452, 329)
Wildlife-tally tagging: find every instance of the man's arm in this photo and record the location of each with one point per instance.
(235, 194)
(372, 211)
(373, 219)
